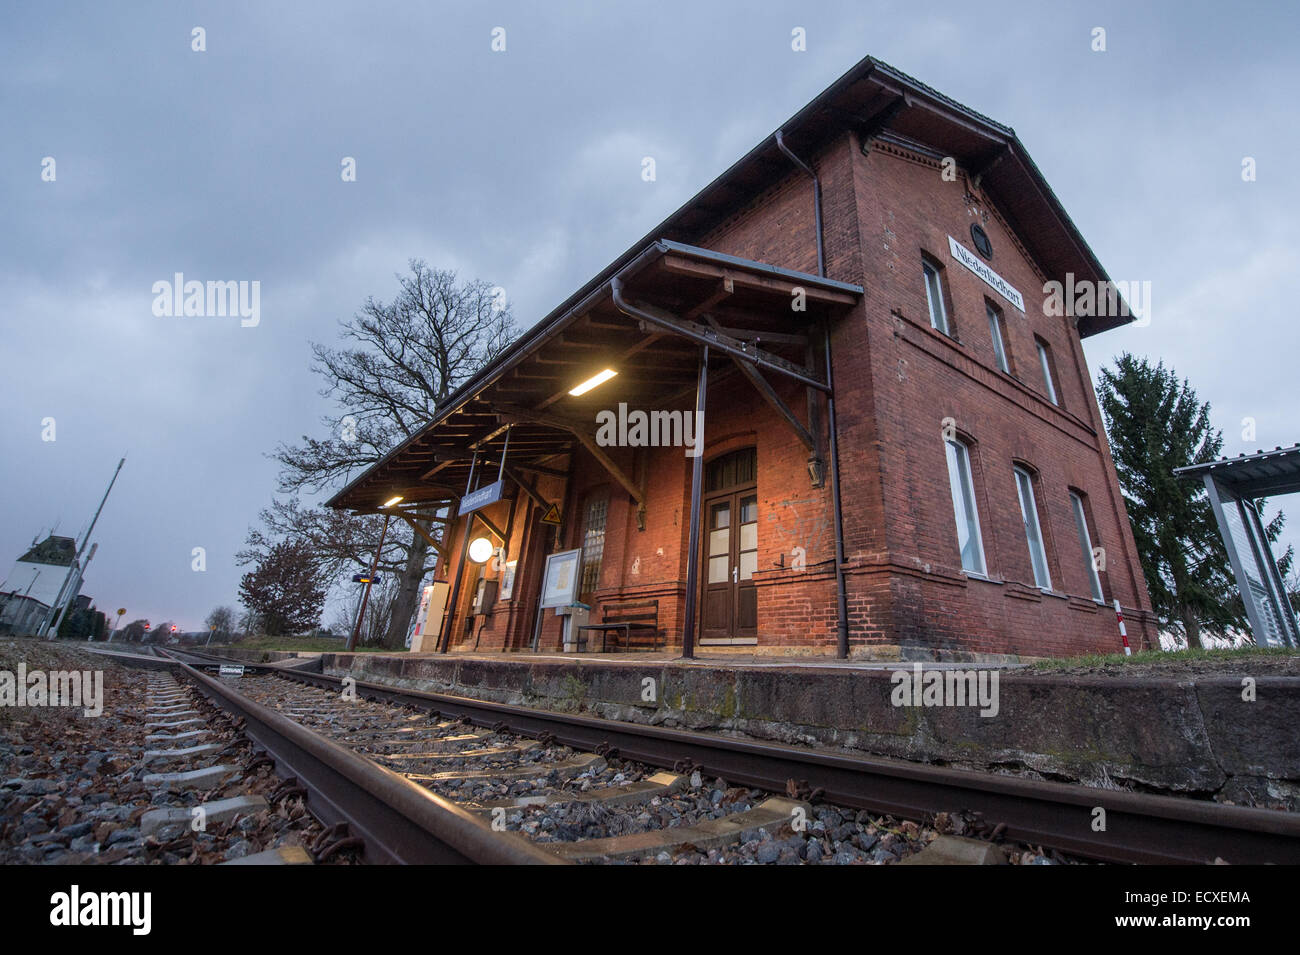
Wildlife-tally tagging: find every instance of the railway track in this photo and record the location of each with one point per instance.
(150, 773)
(188, 764)
(483, 772)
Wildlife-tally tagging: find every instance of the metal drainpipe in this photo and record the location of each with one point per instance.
(817, 200)
(842, 610)
(691, 624)
(842, 607)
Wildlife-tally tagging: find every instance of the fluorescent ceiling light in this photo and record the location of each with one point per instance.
(593, 381)
(391, 502)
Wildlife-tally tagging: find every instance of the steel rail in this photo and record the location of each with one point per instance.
(399, 821)
(1138, 827)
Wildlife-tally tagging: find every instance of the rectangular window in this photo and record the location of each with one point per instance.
(995, 331)
(963, 506)
(1033, 533)
(1085, 544)
(1045, 359)
(934, 297)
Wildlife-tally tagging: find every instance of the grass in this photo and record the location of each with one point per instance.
(1165, 657)
(300, 644)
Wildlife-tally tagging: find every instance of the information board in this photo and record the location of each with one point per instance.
(560, 585)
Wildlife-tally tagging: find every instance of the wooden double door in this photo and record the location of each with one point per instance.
(730, 558)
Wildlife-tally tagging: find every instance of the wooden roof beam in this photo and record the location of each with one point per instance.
(578, 430)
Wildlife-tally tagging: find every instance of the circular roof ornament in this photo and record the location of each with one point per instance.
(981, 240)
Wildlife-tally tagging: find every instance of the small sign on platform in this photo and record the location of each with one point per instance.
(231, 669)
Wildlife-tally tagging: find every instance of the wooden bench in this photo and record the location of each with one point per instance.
(637, 623)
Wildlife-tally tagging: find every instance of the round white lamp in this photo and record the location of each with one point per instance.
(480, 549)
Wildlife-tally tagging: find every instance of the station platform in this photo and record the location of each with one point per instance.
(1180, 734)
(707, 659)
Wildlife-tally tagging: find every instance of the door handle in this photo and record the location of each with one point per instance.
(735, 575)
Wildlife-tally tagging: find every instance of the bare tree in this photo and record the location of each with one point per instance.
(221, 622)
(400, 361)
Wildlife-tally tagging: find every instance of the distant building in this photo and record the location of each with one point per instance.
(33, 584)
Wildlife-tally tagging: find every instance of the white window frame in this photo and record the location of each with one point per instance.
(999, 343)
(934, 290)
(965, 511)
(1085, 543)
(1046, 364)
(1033, 529)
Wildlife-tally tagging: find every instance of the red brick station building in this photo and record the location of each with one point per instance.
(902, 454)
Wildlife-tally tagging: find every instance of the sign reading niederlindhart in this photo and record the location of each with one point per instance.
(994, 281)
(487, 494)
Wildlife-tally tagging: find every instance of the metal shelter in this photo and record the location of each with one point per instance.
(1234, 485)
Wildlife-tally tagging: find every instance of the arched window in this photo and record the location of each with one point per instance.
(935, 301)
(1092, 559)
(1033, 530)
(963, 505)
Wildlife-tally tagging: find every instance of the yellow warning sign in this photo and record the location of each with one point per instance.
(552, 515)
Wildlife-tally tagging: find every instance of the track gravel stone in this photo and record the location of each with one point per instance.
(76, 789)
(638, 814)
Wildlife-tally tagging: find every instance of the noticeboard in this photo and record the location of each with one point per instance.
(560, 584)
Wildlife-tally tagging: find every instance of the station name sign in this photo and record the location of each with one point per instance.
(994, 281)
(487, 494)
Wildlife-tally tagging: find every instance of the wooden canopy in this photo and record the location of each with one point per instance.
(753, 315)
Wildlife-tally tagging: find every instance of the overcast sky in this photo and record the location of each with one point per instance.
(523, 168)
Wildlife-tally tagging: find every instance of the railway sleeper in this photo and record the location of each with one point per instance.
(771, 814)
(625, 794)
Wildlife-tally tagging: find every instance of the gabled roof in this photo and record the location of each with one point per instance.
(53, 550)
(874, 100)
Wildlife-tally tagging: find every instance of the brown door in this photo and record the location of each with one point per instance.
(730, 602)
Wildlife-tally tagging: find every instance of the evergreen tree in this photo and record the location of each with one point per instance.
(1156, 424)
(284, 590)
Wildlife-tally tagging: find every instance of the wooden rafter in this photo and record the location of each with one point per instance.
(768, 393)
(704, 333)
(578, 430)
(436, 545)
